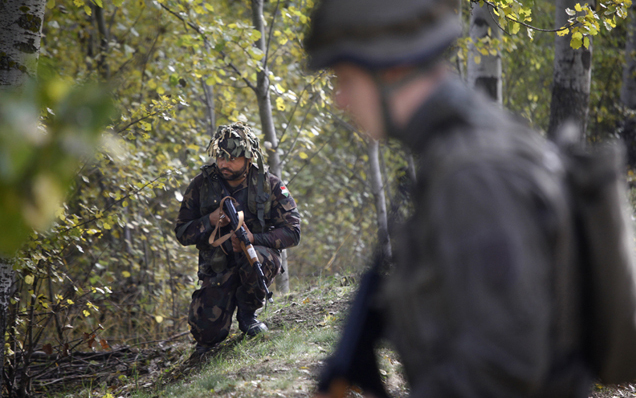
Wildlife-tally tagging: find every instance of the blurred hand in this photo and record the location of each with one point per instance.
(216, 216)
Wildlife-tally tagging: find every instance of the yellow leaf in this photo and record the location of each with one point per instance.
(477, 59)
(159, 318)
(280, 104)
(107, 225)
(88, 10)
(125, 274)
(86, 313)
(563, 32)
(303, 155)
(28, 279)
(577, 7)
(577, 35)
(50, 4)
(209, 7)
(70, 301)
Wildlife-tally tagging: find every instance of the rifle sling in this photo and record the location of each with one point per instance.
(215, 242)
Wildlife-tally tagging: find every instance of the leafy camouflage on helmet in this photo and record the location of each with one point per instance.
(234, 140)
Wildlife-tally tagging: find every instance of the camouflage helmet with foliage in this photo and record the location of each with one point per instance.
(234, 140)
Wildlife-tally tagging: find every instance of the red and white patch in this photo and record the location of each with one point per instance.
(284, 190)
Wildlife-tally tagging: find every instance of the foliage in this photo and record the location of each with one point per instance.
(583, 23)
(46, 130)
(109, 270)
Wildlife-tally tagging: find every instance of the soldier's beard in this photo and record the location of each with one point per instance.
(237, 175)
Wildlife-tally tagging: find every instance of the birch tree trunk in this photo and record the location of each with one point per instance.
(628, 90)
(572, 77)
(484, 75)
(20, 35)
(377, 188)
(267, 122)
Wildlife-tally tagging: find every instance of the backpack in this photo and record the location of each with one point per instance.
(595, 179)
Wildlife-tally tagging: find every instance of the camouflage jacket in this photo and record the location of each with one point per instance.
(484, 299)
(203, 196)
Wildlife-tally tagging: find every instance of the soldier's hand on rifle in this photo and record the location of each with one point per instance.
(236, 244)
(216, 216)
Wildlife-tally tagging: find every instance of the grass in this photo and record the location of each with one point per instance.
(284, 362)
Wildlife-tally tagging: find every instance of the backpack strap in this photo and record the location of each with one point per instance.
(261, 197)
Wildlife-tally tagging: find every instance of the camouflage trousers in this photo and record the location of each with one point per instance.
(213, 305)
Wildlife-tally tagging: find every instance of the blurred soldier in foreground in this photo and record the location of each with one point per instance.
(483, 300)
(272, 222)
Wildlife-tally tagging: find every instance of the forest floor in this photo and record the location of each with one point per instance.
(283, 362)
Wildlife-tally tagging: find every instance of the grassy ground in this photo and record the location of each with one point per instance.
(283, 363)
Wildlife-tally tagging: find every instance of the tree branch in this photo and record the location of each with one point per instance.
(493, 6)
(208, 46)
(302, 124)
(269, 36)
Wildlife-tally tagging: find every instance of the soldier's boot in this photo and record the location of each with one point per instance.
(248, 323)
(200, 352)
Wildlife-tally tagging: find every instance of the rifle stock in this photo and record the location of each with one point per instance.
(354, 362)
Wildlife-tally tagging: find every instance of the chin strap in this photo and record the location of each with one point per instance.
(386, 89)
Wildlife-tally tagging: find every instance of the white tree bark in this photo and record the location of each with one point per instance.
(572, 77)
(267, 123)
(20, 35)
(485, 75)
(377, 188)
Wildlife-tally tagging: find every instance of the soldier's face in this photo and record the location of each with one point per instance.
(356, 93)
(232, 168)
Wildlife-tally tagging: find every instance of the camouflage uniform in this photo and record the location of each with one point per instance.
(485, 298)
(228, 279)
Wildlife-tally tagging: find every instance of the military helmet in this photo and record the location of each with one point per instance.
(234, 140)
(377, 34)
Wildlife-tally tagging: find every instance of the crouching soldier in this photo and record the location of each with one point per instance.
(272, 223)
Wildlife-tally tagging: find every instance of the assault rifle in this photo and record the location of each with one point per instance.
(246, 245)
(354, 363)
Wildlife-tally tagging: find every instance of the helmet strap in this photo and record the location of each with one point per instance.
(385, 91)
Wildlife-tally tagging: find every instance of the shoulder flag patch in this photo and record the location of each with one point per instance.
(284, 191)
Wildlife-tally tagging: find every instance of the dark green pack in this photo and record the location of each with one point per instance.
(596, 180)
